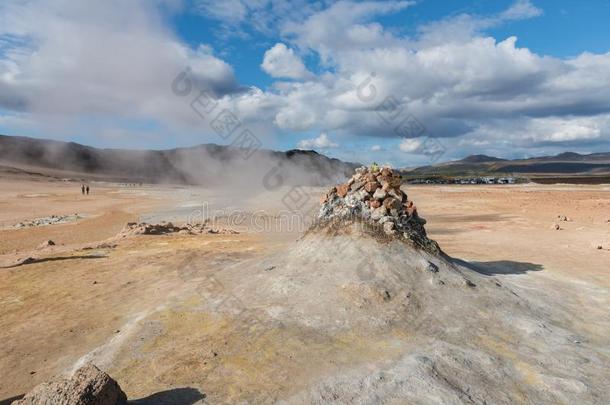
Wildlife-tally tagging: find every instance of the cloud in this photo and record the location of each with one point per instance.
(545, 130)
(463, 26)
(410, 145)
(321, 142)
(109, 58)
(115, 62)
(227, 10)
(280, 61)
(376, 148)
(343, 26)
(520, 10)
(244, 18)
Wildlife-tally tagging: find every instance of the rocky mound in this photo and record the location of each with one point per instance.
(374, 198)
(374, 320)
(166, 228)
(88, 386)
(376, 313)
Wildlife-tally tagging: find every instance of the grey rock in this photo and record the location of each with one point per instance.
(396, 194)
(363, 195)
(378, 213)
(385, 219)
(388, 228)
(356, 185)
(380, 194)
(362, 170)
(352, 200)
(88, 386)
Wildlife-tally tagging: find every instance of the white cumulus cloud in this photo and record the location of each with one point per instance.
(321, 142)
(410, 145)
(281, 62)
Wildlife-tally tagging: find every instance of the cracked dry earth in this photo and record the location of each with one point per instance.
(260, 318)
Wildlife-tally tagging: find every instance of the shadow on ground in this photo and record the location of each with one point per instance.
(33, 260)
(176, 396)
(500, 267)
(9, 401)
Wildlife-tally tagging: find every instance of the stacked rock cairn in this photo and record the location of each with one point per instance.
(373, 196)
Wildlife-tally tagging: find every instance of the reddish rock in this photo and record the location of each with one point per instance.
(397, 194)
(391, 203)
(342, 190)
(369, 177)
(371, 186)
(386, 171)
(395, 181)
(382, 177)
(375, 204)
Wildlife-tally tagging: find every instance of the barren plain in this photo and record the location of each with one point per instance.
(148, 309)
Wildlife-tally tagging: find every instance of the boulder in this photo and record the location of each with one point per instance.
(370, 178)
(375, 204)
(328, 195)
(386, 171)
(385, 219)
(397, 194)
(378, 213)
(376, 197)
(356, 185)
(46, 244)
(380, 194)
(395, 181)
(388, 228)
(362, 170)
(88, 386)
(342, 190)
(391, 203)
(371, 186)
(362, 195)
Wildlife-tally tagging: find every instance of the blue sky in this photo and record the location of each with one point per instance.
(565, 29)
(511, 78)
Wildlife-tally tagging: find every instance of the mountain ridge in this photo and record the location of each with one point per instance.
(204, 164)
(563, 164)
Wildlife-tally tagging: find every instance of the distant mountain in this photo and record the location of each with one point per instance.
(480, 159)
(206, 164)
(564, 164)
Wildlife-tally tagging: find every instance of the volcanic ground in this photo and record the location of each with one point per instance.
(511, 310)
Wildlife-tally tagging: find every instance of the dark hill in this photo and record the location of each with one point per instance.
(206, 164)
